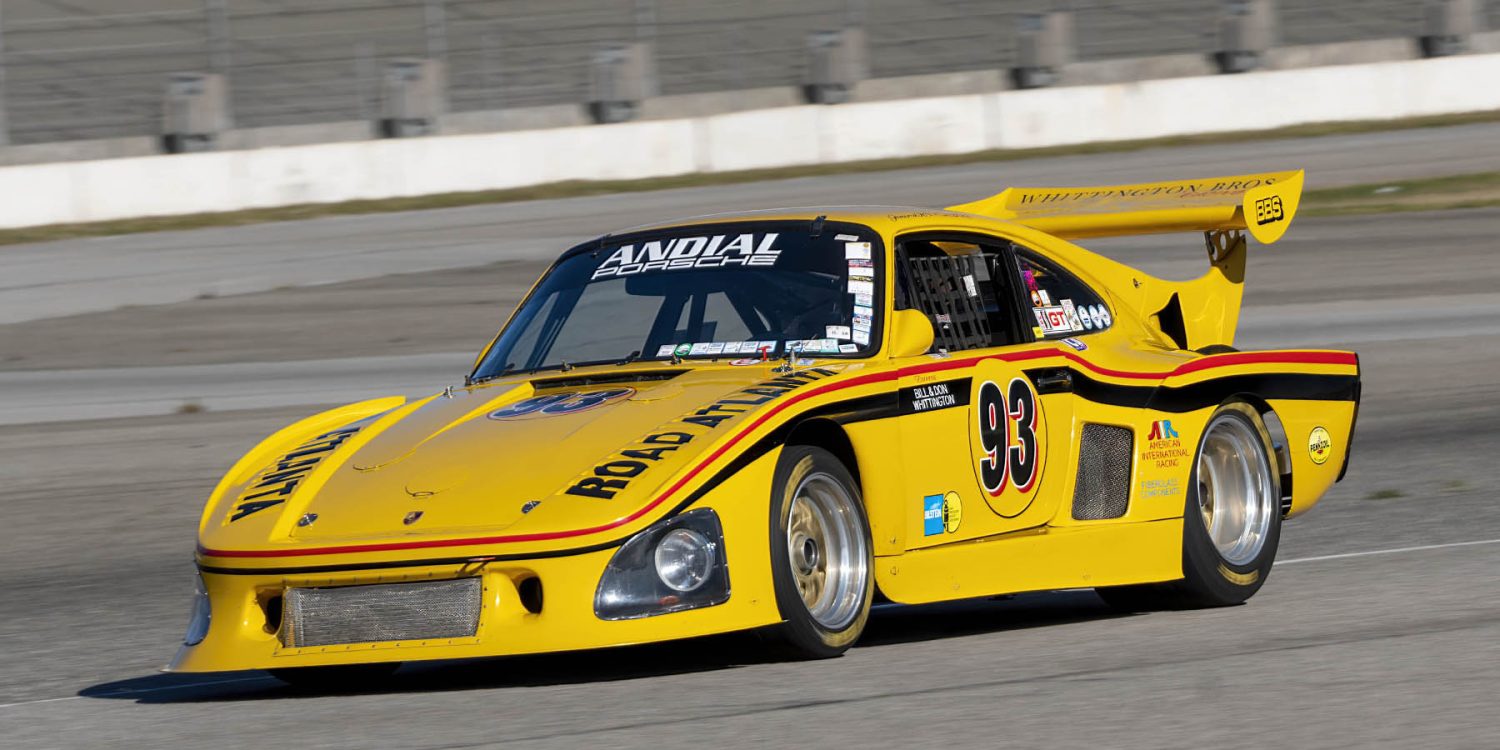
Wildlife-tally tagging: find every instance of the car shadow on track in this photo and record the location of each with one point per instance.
(890, 625)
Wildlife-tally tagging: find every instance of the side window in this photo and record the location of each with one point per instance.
(1061, 303)
(955, 283)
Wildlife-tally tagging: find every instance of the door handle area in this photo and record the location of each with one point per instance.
(1053, 381)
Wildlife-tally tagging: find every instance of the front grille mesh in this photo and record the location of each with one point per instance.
(382, 612)
(1103, 486)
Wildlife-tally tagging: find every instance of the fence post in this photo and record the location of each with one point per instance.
(436, 18)
(4, 124)
(219, 59)
(364, 79)
(494, 74)
(645, 20)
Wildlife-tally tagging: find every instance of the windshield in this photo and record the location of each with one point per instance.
(738, 291)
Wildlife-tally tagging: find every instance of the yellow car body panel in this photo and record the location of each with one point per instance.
(441, 487)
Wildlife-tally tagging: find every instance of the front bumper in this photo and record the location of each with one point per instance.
(242, 633)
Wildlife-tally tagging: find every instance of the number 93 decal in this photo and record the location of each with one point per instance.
(556, 404)
(1008, 444)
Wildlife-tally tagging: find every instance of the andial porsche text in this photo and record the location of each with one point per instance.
(679, 253)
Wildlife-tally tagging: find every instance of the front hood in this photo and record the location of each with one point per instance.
(550, 458)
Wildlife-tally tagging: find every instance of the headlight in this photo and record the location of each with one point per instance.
(675, 565)
(684, 559)
(197, 628)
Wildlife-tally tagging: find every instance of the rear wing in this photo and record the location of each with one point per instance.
(1262, 204)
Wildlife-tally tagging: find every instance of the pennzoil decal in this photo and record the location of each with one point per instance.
(276, 482)
(617, 471)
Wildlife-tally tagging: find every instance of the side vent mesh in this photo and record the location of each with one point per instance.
(1103, 486)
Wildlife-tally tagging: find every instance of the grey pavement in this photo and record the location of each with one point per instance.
(1394, 642)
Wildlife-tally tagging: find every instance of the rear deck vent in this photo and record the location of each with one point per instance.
(1102, 489)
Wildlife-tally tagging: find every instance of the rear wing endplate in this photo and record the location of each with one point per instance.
(1263, 204)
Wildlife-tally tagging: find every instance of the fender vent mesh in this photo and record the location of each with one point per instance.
(1102, 489)
(384, 612)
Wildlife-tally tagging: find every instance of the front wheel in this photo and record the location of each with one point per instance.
(821, 561)
(1231, 524)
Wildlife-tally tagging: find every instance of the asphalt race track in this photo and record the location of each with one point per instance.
(1379, 628)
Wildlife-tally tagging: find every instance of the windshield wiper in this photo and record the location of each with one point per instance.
(631, 357)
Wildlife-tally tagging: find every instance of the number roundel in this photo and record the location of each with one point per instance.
(555, 404)
(1008, 445)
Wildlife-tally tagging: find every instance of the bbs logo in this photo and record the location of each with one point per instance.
(1268, 210)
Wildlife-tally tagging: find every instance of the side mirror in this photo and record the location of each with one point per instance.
(910, 332)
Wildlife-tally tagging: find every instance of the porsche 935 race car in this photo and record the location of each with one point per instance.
(763, 421)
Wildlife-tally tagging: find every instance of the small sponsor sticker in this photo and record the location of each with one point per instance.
(941, 513)
(702, 348)
(864, 300)
(1103, 320)
(861, 287)
(846, 237)
(1319, 445)
(944, 318)
(861, 337)
(1073, 322)
(848, 348)
(716, 347)
(1150, 488)
(683, 350)
(1086, 317)
(837, 332)
(932, 515)
(857, 250)
(665, 350)
(1046, 298)
(1076, 344)
(746, 362)
(1054, 320)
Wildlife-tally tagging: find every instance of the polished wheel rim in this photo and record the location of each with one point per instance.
(1235, 493)
(826, 549)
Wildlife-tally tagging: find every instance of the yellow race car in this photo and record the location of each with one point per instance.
(766, 420)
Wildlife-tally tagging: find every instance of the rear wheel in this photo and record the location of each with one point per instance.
(342, 677)
(1231, 524)
(821, 561)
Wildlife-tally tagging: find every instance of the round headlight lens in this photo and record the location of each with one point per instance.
(197, 628)
(684, 559)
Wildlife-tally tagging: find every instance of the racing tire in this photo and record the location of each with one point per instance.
(342, 678)
(1231, 522)
(822, 563)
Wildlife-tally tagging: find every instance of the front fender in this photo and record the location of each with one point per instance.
(256, 458)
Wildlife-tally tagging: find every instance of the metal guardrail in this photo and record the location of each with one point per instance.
(96, 68)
